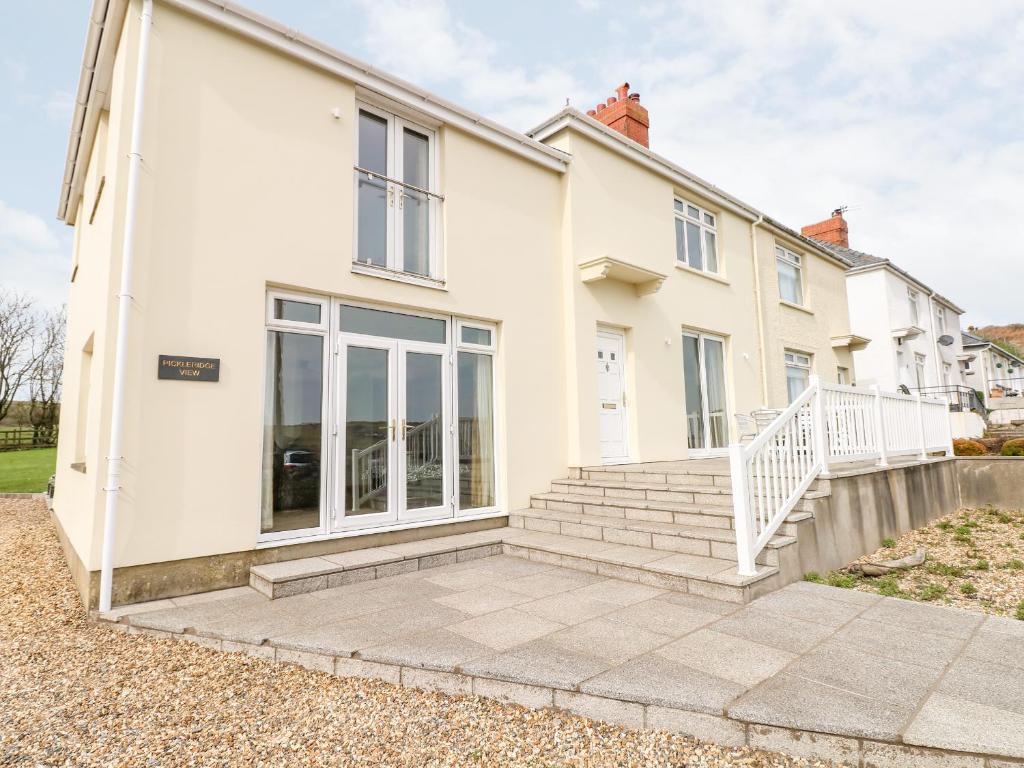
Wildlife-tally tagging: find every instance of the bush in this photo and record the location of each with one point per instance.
(964, 447)
(1013, 447)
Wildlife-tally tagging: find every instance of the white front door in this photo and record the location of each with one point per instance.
(611, 396)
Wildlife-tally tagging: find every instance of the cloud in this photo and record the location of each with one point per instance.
(34, 257)
(426, 44)
(59, 106)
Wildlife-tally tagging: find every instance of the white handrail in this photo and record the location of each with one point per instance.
(827, 424)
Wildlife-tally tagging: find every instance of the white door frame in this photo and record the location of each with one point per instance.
(700, 336)
(620, 336)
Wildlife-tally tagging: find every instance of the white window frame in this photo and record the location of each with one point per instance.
(784, 254)
(940, 319)
(321, 329)
(394, 269)
(914, 302)
(482, 349)
(921, 369)
(701, 221)
(795, 359)
(842, 375)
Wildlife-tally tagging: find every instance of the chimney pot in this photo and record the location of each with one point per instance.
(624, 113)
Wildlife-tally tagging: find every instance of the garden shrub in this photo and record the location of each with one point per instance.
(964, 447)
(1013, 447)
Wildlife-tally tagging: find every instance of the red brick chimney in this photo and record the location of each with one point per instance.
(624, 113)
(832, 230)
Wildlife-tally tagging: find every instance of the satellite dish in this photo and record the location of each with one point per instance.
(945, 340)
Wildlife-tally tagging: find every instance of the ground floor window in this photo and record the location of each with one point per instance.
(374, 417)
(798, 373)
(707, 416)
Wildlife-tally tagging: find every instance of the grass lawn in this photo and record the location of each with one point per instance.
(26, 471)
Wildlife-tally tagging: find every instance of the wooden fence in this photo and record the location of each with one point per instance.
(23, 438)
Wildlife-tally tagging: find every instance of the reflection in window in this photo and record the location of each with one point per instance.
(476, 430)
(367, 454)
(391, 325)
(296, 311)
(292, 432)
(372, 209)
(415, 205)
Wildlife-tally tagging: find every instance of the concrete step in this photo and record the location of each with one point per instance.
(707, 576)
(309, 574)
(672, 537)
(633, 490)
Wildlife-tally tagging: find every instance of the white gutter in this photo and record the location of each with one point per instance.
(124, 306)
(760, 310)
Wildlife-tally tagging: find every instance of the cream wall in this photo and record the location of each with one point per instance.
(618, 208)
(248, 182)
(808, 328)
(92, 307)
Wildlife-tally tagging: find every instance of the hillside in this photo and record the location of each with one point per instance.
(1013, 333)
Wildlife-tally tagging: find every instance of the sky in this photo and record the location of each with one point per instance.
(910, 113)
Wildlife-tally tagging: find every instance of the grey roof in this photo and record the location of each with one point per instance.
(861, 260)
(970, 340)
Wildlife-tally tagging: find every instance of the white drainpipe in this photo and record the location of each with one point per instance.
(760, 311)
(124, 307)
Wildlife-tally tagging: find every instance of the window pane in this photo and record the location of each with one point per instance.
(366, 431)
(480, 336)
(797, 380)
(296, 311)
(680, 206)
(372, 221)
(718, 416)
(693, 245)
(373, 143)
(424, 431)
(476, 431)
(292, 432)
(415, 205)
(710, 251)
(391, 325)
(691, 211)
(681, 240)
(789, 282)
(691, 385)
(709, 219)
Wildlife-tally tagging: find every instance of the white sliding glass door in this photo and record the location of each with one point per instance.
(707, 413)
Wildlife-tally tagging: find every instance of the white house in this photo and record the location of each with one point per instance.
(915, 331)
(995, 373)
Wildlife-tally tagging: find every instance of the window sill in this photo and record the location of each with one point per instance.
(701, 273)
(400, 277)
(800, 307)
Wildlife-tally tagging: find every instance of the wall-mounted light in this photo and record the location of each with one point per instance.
(336, 113)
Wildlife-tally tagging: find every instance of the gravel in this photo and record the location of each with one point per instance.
(975, 561)
(75, 693)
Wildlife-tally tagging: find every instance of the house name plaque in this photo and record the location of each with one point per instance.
(183, 368)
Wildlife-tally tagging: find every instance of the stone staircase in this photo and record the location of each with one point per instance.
(667, 524)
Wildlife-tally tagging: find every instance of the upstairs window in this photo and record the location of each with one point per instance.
(696, 237)
(790, 268)
(919, 369)
(940, 320)
(914, 299)
(396, 200)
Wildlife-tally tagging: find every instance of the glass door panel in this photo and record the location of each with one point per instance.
(423, 430)
(476, 431)
(714, 376)
(369, 431)
(695, 438)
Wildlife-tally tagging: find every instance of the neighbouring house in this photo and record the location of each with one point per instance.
(915, 331)
(996, 374)
(314, 308)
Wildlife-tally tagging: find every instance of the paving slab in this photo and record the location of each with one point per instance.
(765, 627)
(655, 679)
(949, 722)
(568, 608)
(609, 640)
(503, 629)
(485, 599)
(796, 702)
(999, 646)
(550, 582)
(618, 592)
(658, 615)
(731, 658)
(986, 682)
(925, 618)
(901, 643)
(439, 649)
(538, 663)
(808, 607)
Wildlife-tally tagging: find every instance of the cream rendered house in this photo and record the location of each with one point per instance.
(294, 328)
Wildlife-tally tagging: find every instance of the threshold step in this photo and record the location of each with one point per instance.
(310, 574)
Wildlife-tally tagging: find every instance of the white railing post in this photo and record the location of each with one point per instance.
(818, 423)
(883, 459)
(920, 426)
(949, 431)
(741, 511)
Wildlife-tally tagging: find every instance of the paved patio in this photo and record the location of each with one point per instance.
(808, 670)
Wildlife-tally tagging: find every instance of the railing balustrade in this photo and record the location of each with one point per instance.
(827, 425)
